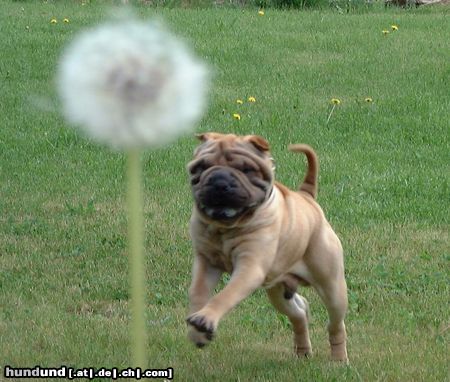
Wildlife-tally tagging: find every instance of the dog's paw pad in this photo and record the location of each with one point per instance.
(200, 340)
(303, 304)
(201, 332)
(201, 324)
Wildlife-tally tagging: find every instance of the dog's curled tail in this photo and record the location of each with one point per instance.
(309, 184)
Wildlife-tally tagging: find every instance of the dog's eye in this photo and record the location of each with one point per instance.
(248, 170)
(198, 168)
(195, 180)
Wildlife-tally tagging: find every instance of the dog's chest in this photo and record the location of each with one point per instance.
(217, 247)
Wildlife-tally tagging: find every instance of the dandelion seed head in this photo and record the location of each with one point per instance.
(131, 84)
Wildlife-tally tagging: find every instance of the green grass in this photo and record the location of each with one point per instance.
(384, 185)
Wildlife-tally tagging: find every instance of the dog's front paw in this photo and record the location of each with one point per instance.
(200, 339)
(201, 329)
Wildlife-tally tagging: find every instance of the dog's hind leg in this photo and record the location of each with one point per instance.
(334, 296)
(325, 264)
(297, 310)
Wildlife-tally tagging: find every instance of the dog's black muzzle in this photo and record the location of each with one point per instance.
(222, 197)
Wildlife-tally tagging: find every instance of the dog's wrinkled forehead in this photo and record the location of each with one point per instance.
(223, 145)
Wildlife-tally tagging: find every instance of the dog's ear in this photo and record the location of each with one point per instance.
(202, 137)
(259, 142)
(207, 136)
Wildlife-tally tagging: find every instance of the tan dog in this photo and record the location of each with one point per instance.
(265, 235)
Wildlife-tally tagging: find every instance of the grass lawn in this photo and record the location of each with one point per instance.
(384, 185)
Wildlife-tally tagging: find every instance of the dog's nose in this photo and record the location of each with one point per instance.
(221, 182)
(221, 185)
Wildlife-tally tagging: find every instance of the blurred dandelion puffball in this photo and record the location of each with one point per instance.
(131, 84)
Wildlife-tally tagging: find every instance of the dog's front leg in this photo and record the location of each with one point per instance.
(246, 278)
(204, 280)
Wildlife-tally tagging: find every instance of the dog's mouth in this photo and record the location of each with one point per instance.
(225, 213)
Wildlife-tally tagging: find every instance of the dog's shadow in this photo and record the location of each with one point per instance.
(267, 360)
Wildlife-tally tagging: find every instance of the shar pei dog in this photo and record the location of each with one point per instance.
(264, 235)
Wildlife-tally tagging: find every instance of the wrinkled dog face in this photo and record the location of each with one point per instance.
(230, 175)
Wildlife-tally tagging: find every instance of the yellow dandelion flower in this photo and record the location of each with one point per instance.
(53, 21)
(239, 101)
(251, 99)
(368, 99)
(66, 20)
(394, 27)
(335, 101)
(261, 12)
(237, 116)
(385, 32)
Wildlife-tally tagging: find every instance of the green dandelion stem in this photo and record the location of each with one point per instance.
(331, 112)
(136, 258)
